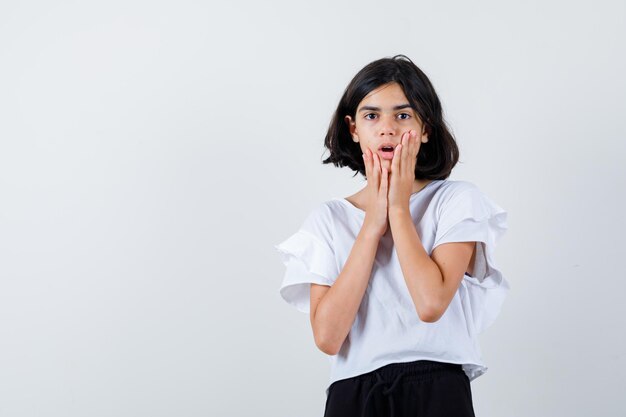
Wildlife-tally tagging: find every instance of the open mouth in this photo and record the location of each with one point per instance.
(386, 147)
(386, 151)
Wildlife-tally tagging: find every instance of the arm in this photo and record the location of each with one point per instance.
(334, 308)
(432, 282)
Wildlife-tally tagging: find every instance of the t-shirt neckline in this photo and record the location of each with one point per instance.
(343, 199)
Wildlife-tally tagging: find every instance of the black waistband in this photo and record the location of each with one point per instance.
(389, 376)
(412, 369)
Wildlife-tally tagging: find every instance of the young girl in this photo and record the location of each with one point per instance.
(399, 278)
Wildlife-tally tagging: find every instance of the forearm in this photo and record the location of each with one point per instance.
(421, 274)
(336, 311)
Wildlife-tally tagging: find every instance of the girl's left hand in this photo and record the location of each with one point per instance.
(402, 175)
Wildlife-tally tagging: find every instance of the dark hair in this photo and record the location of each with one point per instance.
(435, 159)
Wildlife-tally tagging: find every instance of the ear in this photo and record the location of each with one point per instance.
(352, 127)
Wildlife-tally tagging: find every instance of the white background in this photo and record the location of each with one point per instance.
(151, 154)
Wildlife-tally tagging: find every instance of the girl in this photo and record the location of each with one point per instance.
(399, 278)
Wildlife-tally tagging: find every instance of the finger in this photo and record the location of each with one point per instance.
(371, 166)
(418, 143)
(406, 149)
(411, 151)
(395, 161)
(376, 169)
(384, 182)
(414, 139)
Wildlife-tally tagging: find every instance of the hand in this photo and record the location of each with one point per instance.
(376, 219)
(403, 170)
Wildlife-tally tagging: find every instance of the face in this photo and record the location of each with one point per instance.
(381, 118)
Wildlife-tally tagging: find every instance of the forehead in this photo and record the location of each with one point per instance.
(389, 94)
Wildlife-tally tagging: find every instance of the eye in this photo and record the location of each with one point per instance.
(367, 116)
(404, 116)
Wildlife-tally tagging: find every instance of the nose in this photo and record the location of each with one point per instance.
(388, 126)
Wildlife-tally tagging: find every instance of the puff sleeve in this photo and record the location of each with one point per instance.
(309, 258)
(469, 215)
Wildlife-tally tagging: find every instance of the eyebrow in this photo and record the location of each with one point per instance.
(373, 108)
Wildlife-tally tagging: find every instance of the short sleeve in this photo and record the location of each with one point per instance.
(469, 215)
(309, 258)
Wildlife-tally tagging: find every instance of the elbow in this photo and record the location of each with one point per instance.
(326, 338)
(327, 348)
(430, 315)
(326, 345)
(428, 318)
(326, 342)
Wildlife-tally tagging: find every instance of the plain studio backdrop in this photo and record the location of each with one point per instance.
(152, 153)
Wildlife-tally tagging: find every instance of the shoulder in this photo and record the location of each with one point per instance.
(464, 199)
(322, 213)
(455, 190)
(464, 196)
(322, 219)
(328, 211)
(451, 188)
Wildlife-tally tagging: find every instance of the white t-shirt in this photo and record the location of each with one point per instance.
(387, 328)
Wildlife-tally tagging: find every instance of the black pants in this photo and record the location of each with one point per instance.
(416, 389)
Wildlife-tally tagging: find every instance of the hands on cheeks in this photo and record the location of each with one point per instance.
(402, 175)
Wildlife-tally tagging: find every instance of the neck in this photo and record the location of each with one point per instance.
(418, 185)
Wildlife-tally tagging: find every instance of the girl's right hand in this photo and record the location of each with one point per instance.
(376, 217)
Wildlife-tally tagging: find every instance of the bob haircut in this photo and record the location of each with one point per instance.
(435, 159)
